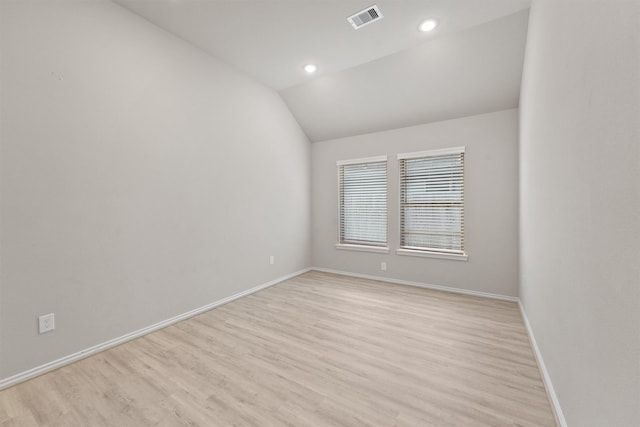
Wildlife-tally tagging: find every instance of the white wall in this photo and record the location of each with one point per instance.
(491, 203)
(580, 204)
(140, 178)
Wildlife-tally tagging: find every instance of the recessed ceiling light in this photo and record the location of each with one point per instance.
(428, 25)
(310, 68)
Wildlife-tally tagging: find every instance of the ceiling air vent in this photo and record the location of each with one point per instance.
(364, 17)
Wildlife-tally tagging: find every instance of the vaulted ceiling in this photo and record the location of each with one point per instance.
(382, 76)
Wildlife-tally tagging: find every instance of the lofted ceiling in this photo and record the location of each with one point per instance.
(472, 72)
(382, 76)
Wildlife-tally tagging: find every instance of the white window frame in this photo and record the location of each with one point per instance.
(361, 247)
(429, 253)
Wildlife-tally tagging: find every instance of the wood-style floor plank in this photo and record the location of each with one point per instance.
(316, 350)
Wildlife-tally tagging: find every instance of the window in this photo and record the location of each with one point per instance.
(363, 204)
(432, 203)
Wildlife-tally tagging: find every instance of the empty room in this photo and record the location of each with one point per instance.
(314, 213)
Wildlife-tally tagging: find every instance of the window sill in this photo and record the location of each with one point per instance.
(363, 248)
(427, 254)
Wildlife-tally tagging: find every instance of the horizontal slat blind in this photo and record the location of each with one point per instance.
(363, 203)
(432, 203)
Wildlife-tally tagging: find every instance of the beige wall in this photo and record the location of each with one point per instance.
(140, 178)
(491, 203)
(580, 204)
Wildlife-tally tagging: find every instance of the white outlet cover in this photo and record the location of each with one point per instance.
(383, 266)
(46, 323)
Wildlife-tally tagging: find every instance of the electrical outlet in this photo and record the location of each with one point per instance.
(383, 266)
(46, 323)
(272, 260)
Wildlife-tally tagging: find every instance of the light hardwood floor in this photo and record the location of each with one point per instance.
(316, 350)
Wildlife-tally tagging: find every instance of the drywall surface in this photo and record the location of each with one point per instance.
(580, 204)
(491, 203)
(456, 75)
(140, 178)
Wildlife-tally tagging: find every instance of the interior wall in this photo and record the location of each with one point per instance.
(580, 204)
(140, 178)
(491, 203)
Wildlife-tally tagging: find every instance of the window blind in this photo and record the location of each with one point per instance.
(363, 201)
(432, 201)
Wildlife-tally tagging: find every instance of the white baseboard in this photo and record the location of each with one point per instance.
(546, 379)
(39, 370)
(420, 285)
